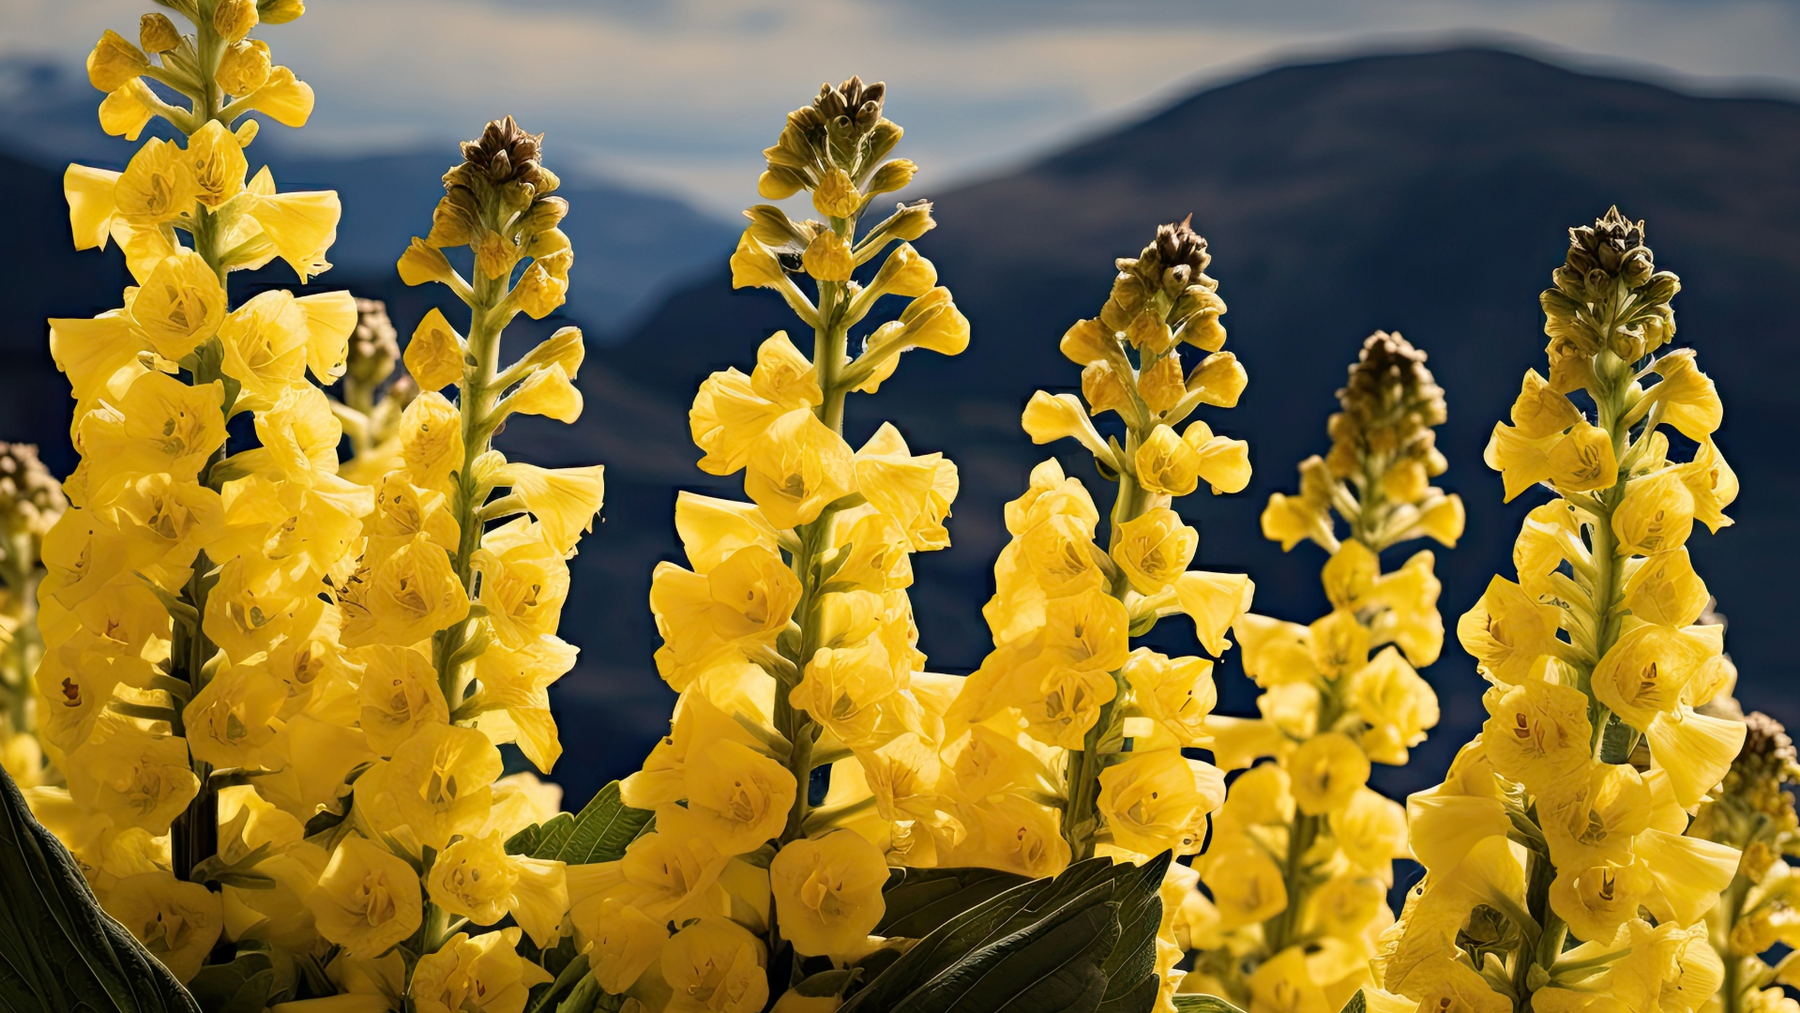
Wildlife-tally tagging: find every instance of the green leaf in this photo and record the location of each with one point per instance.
(250, 982)
(599, 833)
(1196, 1003)
(1041, 945)
(58, 950)
(1131, 978)
(1359, 1003)
(920, 900)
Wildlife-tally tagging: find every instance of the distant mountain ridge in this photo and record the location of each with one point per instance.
(1426, 193)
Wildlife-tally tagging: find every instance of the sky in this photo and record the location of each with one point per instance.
(680, 96)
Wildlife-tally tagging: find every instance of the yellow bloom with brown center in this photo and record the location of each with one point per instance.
(828, 892)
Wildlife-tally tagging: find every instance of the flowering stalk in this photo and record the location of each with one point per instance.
(372, 398)
(791, 639)
(1754, 812)
(1545, 829)
(1302, 852)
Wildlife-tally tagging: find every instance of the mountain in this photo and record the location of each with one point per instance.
(632, 247)
(1427, 193)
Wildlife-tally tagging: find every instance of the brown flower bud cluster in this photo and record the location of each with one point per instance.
(1607, 297)
(1383, 457)
(498, 202)
(1160, 300)
(374, 345)
(834, 147)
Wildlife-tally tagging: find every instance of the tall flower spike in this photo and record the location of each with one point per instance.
(789, 633)
(31, 502)
(1337, 695)
(191, 672)
(1092, 732)
(1595, 751)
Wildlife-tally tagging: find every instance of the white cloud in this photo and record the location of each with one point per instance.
(682, 95)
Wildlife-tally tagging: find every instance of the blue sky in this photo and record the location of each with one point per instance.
(680, 96)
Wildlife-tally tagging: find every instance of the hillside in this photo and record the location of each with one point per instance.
(1423, 193)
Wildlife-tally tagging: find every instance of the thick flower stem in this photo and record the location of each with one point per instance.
(477, 399)
(1081, 789)
(1281, 931)
(1609, 566)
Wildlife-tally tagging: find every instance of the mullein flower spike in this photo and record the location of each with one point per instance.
(1302, 852)
(1562, 872)
(275, 689)
(789, 634)
(1067, 743)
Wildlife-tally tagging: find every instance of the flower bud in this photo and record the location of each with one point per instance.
(233, 19)
(244, 67)
(372, 348)
(434, 356)
(1049, 418)
(772, 227)
(828, 257)
(157, 34)
(779, 183)
(1218, 380)
(541, 291)
(911, 221)
(836, 196)
(895, 175)
(279, 12)
(905, 273)
(1103, 389)
(114, 61)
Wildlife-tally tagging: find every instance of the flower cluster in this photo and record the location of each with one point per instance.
(1066, 741)
(1302, 852)
(373, 398)
(1567, 817)
(803, 756)
(276, 693)
(31, 501)
(1754, 812)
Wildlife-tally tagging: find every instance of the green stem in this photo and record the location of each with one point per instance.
(479, 394)
(1282, 931)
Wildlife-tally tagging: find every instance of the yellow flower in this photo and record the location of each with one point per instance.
(431, 439)
(399, 694)
(624, 942)
(1461, 990)
(265, 343)
(1178, 692)
(285, 99)
(714, 966)
(564, 500)
(1283, 984)
(434, 356)
(1664, 589)
(1712, 483)
(828, 892)
(1340, 643)
(1507, 632)
(827, 257)
(227, 722)
(367, 899)
(480, 975)
(177, 922)
(157, 187)
(797, 468)
(407, 597)
(844, 690)
(754, 265)
(1398, 705)
(1350, 575)
(1246, 884)
(523, 583)
(218, 163)
(1597, 900)
(1328, 770)
(300, 226)
(515, 698)
(1165, 463)
(1538, 734)
(127, 111)
(1154, 548)
(180, 305)
(440, 782)
(244, 67)
(1690, 401)
(915, 491)
(1646, 671)
(475, 878)
(1583, 461)
(1067, 703)
(737, 798)
(114, 61)
(1158, 800)
(1694, 749)
(1214, 601)
(836, 196)
(547, 392)
(1669, 969)
(136, 778)
(1656, 515)
(1260, 796)
(1371, 830)
(1689, 874)
(1593, 819)
(1048, 418)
